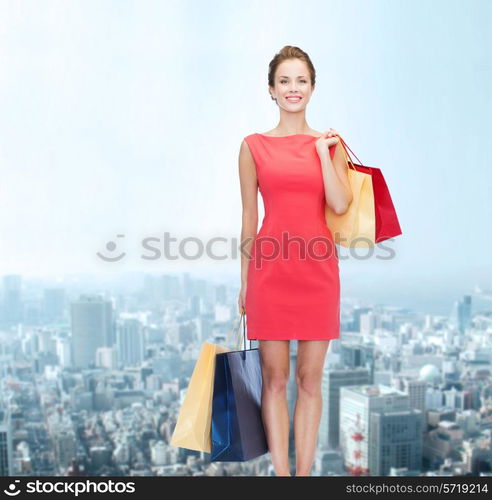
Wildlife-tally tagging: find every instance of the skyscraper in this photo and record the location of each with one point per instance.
(355, 355)
(12, 303)
(395, 440)
(92, 325)
(415, 388)
(461, 314)
(129, 342)
(357, 403)
(5, 443)
(333, 380)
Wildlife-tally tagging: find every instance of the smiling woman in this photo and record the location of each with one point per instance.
(305, 80)
(290, 285)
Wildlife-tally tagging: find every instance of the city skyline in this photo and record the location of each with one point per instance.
(83, 363)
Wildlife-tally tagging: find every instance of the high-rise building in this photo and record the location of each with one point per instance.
(461, 313)
(106, 357)
(415, 388)
(195, 305)
(356, 405)
(455, 399)
(65, 446)
(333, 380)
(6, 451)
(12, 301)
(355, 355)
(64, 352)
(92, 327)
(130, 342)
(357, 313)
(367, 323)
(395, 440)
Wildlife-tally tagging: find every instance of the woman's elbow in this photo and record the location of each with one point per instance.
(342, 208)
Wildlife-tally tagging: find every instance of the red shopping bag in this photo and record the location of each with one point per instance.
(387, 224)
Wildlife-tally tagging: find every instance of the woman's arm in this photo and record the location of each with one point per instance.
(249, 197)
(335, 177)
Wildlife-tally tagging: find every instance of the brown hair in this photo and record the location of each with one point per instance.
(289, 52)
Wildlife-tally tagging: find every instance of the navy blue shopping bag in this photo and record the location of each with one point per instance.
(237, 426)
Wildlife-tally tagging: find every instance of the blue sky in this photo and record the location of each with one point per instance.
(124, 117)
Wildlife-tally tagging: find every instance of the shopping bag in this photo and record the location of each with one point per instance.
(375, 218)
(238, 434)
(387, 224)
(356, 227)
(192, 430)
(193, 427)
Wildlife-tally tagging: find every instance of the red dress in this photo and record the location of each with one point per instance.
(293, 287)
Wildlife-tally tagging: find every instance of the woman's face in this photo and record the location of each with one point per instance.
(293, 87)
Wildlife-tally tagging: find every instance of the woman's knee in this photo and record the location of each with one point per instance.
(275, 381)
(309, 382)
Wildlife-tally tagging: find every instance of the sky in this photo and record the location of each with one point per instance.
(122, 120)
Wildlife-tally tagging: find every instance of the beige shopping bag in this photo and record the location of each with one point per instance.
(356, 227)
(193, 427)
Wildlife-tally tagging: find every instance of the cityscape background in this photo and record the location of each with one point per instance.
(122, 121)
(93, 376)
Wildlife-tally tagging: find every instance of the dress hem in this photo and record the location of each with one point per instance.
(292, 338)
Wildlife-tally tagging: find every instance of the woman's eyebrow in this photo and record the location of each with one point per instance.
(301, 76)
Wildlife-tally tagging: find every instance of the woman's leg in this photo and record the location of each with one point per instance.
(275, 366)
(307, 412)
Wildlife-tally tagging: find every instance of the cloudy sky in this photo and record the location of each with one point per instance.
(122, 120)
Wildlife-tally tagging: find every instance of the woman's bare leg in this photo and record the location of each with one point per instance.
(275, 366)
(307, 412)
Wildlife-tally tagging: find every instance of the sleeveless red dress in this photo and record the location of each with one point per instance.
(293, 287)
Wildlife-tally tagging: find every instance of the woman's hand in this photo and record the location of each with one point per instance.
(326, 140)
(241, 302)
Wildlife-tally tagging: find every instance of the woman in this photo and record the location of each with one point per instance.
(289, 271)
